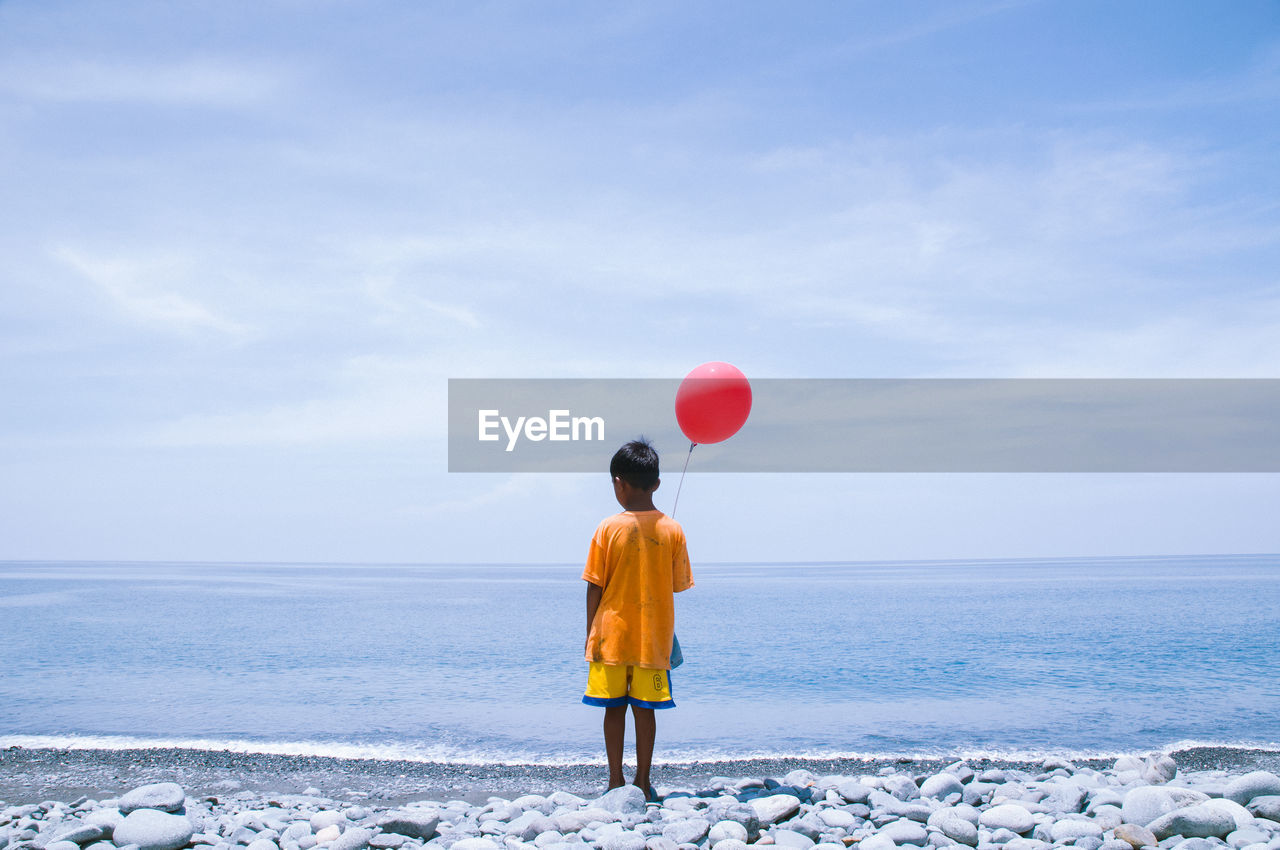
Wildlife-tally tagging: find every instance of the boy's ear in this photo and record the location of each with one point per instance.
(655, 485)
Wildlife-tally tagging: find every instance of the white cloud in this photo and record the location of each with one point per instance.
(401, 303)
(375, 399)
(192, 82)
(1236, 343)
(515, 490)
(144, 289)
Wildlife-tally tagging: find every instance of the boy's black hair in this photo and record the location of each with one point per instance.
(636, 463)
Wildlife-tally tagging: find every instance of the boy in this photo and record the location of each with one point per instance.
(636, 563)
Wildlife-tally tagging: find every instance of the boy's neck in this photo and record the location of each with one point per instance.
(634, 498)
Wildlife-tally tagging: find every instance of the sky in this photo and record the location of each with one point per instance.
(244, 246)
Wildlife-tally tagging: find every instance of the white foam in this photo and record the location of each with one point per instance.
(330, 749)
(441, 754)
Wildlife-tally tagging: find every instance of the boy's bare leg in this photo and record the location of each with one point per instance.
(646, 731)
(615, 729)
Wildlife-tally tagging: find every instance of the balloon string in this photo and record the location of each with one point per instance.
(676, 503)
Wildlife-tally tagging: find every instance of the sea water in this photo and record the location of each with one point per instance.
(482, 664)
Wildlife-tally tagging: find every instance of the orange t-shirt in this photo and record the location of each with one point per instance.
(640, 559)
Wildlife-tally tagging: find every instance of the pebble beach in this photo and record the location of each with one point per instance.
(1194, 799)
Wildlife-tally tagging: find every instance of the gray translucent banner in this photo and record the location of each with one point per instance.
(880, 425)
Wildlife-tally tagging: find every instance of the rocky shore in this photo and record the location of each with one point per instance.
(1129, 804)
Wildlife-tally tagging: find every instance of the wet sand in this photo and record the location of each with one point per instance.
(34, 775)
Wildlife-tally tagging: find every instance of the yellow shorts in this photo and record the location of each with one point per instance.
(616, 684)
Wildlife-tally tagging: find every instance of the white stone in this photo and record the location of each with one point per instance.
(902, 787)
(1128, 764)
(1245, 837)
(412, 823)
(152, 829)
(775, 808)
(1107, 816)
(1198, 821)
(727, 829)
(1065, 796)
(627, 840)
(322, 819)
(688, 831)
(1008, 816)
(729, 844)
(799, 778)
(474, 844)
(1243, 819)
(354, 838)
(877, 842)
(955, 826)
(1070, 829)
(1145, 803)
(1259, 783)
(905, 832)
(61, 845)
(941, 785)
(1135, 835)
(837, 818)
(853, 791)
(164, 796)
(791, 838)
(1160, 768)
(564, 798)
(108, 817)
(79, 832)
(1266, 806)
(622, 800)
(1026, 844)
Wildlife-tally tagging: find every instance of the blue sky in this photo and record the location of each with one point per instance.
(244, 246)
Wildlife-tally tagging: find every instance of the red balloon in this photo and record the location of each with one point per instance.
(713, 402)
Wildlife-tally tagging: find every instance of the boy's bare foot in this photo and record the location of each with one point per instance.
(649, 795)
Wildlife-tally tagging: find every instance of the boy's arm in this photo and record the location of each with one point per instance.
(594, 592)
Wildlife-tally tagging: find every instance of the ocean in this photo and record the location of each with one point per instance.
(483, 663)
